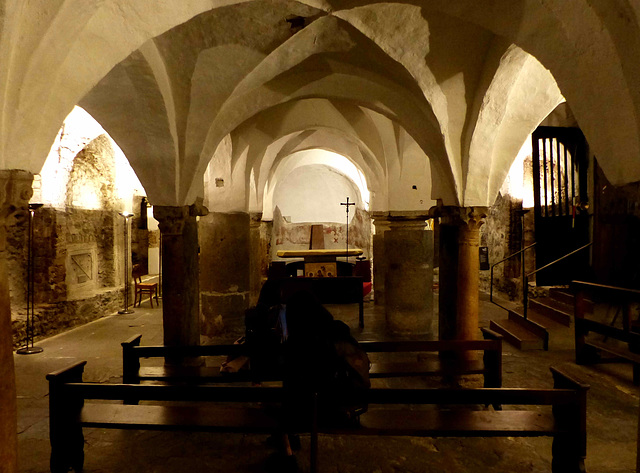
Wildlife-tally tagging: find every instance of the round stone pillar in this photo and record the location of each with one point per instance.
(409, 276)
(180, 284)
(259, 255)
(381, 223)
(448, 232)
(225, 271)
(469, 274)
(15, 192)
(459, 270)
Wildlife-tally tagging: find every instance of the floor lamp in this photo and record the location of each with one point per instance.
(126, 309)
(29, 349)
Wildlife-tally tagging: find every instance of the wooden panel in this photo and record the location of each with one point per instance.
(468, 423)
(429, 345)
(401, 422)
(213, 393)
(427, 368)
(196, 374)
(194, 418)
(619, 352)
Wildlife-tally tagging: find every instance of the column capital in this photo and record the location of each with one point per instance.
(198, 209)
(255, 219)
(170, 219)
(409, 220)
(460, 216)
(15, 191)
(380, 221)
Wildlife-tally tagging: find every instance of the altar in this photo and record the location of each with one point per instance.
(320, 263)
(320, 277)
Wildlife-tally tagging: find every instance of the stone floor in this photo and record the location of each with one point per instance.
(612, 414)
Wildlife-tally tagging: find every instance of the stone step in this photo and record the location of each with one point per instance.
(518, 336)
(552, 309)
(534, 323)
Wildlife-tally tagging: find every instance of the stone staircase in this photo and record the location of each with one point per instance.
(545, 314)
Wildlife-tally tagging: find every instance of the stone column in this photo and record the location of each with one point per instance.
(260, 240)
(449, 224)
(381, 223)
(180, 271)
(469, 273)
(409, 276)
(225, 276)
(459, 271)
(15, 192)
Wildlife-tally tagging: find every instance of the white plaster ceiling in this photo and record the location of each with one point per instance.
(170, 80)
(313, 189)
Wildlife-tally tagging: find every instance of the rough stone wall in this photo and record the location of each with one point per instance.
(55, 318)
(78, 250)
(91, 236)
(16, 260)
(92, 178)
(502, 233)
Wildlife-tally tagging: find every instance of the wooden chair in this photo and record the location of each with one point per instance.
(143, 288)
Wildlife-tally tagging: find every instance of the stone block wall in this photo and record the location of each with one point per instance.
(502, 234)
(77, 260)
(78, 246)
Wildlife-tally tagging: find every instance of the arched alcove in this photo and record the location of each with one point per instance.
(308, 188)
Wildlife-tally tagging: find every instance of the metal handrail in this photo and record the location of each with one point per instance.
(502, 261)
(525, 295)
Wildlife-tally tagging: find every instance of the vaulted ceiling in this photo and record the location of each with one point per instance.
(390, 85)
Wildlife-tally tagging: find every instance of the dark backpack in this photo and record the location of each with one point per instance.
(332, 364)
(351, 376)
(315, 354)
(263, 338)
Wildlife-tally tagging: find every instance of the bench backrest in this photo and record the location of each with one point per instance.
(493, 342)
(566, 391)
(491, 346)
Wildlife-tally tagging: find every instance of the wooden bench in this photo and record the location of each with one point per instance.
(590, 350)
(489, 365)
(215, 408)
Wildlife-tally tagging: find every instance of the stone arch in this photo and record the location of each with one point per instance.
(92, 176)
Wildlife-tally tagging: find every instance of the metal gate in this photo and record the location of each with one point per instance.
(560, 196)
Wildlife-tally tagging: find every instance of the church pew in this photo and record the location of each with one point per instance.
(489, 365)
(589, 350)
(441, 358)
(215, 408)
